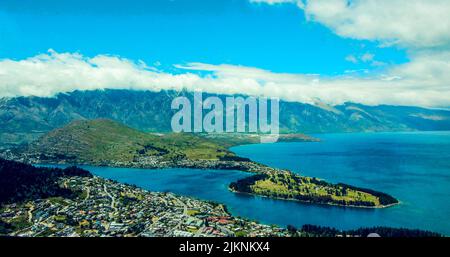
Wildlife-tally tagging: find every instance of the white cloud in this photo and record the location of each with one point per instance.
(367, 57)
(408, 23)
(351, 58)
(48, 74)
(425, 81)
(422, 27)
(364, 58)
(272, 2)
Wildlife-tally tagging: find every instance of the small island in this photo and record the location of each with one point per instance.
(290, 186)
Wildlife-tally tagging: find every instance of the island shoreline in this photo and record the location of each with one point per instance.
(310, 202)
(229, 188)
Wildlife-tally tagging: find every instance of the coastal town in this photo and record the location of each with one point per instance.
(107, 208)
(144, 162)
(265, 181)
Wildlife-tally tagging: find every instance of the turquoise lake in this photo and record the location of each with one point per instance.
(413, 167)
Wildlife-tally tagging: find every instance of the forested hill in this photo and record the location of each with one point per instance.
(20, 182)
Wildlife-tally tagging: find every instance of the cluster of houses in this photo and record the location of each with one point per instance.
(107, 208)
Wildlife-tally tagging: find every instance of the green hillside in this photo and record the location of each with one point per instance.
(102, 140)
(96, 141)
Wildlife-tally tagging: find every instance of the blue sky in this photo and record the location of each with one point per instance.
(373, 52)
(173, 32)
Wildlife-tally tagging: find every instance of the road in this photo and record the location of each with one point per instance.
(113, 200)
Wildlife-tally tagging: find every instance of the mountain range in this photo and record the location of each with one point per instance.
(23, 119)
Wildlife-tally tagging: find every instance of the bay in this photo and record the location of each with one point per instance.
(413, 167)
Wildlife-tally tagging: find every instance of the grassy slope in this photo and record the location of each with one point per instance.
(103, 140)
(99, 140)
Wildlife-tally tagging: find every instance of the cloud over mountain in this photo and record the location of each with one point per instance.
(425, 81)
(422, 27)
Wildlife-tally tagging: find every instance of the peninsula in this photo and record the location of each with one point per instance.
(107, 143)
(71, 202)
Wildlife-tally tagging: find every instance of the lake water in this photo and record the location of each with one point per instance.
(413, 167)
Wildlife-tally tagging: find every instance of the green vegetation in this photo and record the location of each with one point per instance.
(233, 139)
(318, 231)
(69, 216)
(192, 212)
(19, 222)
(58, 200)
(105, 142)
(241, 234)
(20, 182)
(192, 147)
(100, 141)
(60, 218)
(294, 187)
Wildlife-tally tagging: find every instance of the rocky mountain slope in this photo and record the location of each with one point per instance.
(23, 119)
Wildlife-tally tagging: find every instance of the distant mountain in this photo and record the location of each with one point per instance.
(23, 119)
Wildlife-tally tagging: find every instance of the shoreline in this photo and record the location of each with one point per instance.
(112, 188)
(247, 166)
(235, 191)
(228, 187)
(309, 202)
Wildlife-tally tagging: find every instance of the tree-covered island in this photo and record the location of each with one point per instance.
(290, 186)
